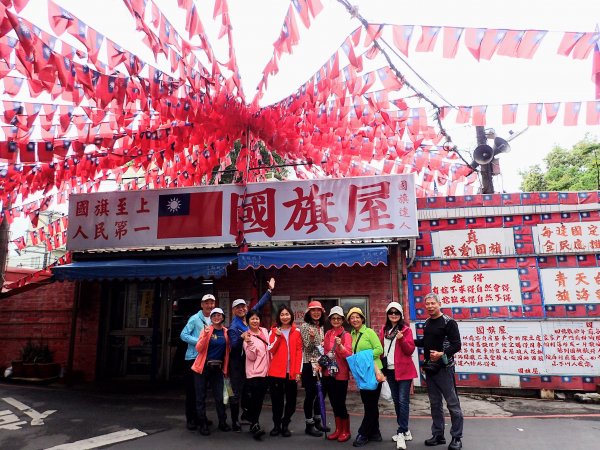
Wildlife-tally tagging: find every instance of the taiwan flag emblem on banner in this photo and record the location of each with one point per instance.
(197, 214)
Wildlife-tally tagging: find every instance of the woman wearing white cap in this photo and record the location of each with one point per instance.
(312, 341)
(211, 367)
(398, 367)
(364, 338)
(338, 346)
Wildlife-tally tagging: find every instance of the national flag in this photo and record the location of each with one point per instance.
(534, 114)
(402, 35)
(491, 41)
(479, 115)
(451, 37)
(349, 50)
(510, 43)
(464, 114)
(596, 70)
(572, 113)
(509, 114)
(389, 79)
(428, 38)
(473, 38)
(551, 111)
(568, 42)
(302, 10)
(584, 46)
(530, 43)
(196, 214)
(593, 113)
(315, 7)
(59, 18)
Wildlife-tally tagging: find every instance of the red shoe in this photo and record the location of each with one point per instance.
(345, 434)
(338, 429)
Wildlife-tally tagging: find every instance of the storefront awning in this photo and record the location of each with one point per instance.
(314, 257)
(163, 268)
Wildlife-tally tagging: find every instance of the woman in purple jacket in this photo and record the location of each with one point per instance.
(398, 347)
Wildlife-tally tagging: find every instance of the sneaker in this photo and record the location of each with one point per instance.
(203, 429)
(408, 436)
(191, 425)
(235, 426)
(395, 437)
(400, 443)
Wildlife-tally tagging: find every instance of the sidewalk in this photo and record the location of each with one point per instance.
(473, 405)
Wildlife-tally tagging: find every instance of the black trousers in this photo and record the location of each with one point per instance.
(190, 392)
(212, 376)
(370, 422)
(311, 401)
(283, 389)
(237, 377)
(337, 391)
(257, 388)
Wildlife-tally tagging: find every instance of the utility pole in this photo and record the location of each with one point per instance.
(487, 183)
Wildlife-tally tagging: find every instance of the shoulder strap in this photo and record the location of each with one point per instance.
(357, 340)
(390, 346)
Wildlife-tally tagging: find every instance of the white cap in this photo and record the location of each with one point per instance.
(237, 302)
(208, 297)
(215, 311)
(394, 305)
(336, 310)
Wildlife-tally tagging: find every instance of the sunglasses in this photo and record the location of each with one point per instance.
(394, 313)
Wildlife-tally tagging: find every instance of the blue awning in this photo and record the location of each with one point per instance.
(141, 269)
(346, 256)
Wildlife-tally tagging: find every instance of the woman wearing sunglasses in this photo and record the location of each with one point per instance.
(398, 367)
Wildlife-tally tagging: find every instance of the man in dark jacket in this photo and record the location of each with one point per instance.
(441, 340)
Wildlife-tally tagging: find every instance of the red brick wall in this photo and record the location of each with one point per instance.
(301, 284)
(43, 313)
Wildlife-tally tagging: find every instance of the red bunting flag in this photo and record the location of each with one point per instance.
(451, 38)
(530, 43)
(534, 114)
(551, 111)
(572, 113)
(596, 70)
(593, 113)
(473, 38)
(428, 38)
(402, 35)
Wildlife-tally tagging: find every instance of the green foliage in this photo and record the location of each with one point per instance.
(231, 175)
(577, 169)
(36, 352)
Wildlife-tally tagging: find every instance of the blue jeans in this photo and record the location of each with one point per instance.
(401, 396)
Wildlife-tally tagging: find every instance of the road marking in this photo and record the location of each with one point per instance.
(102, 440)
(37, 418)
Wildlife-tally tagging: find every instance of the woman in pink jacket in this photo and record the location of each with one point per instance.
(398, 347)
(256, 347)
(338, 346)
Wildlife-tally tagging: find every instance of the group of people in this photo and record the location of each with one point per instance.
(256, 360)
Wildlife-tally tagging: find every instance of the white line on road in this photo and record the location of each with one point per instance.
(99, 441)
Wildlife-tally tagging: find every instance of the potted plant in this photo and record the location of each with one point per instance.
(37, 361)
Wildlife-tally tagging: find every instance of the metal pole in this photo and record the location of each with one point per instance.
(487, 183)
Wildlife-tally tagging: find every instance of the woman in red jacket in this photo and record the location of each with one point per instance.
(338, 346)
(284, 373)
(398, 347)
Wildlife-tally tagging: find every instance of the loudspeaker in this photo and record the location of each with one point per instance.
(501, 146)
(483, 154)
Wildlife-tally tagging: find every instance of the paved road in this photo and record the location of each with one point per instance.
(47, 417)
